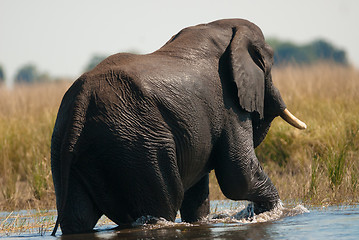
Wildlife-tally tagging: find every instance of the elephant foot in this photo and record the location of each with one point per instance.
(255, 208)
(247, 213)
(250, 212)
(260, 207)
(146, 220)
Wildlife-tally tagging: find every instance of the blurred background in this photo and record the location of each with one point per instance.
(45, 40)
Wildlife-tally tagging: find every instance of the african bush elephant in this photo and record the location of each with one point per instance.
(138, 134)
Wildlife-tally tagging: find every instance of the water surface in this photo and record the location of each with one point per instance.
(229, 220)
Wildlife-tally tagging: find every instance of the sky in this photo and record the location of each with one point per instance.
(60, 37)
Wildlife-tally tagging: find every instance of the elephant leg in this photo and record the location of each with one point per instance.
(150, 181)
(195, 204)
(238, 171)
(80, 214)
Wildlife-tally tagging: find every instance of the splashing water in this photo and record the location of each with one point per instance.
(227, 220)
(245, 214)
(231, 212)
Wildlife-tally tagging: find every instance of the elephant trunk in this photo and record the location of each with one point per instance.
(292, 120)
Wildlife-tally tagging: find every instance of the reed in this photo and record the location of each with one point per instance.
(27, 222)
(34, 223)
(318, 165)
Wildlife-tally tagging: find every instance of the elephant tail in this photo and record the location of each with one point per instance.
(65, 174)
(67, 132)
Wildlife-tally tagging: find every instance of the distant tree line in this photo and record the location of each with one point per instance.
(29, 74)
(316, 51)
(284, 53)
(96, 59)
(2, 75)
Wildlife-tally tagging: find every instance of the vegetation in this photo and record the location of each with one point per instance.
(96, 59)
(33, 223)
(29, 74)
(2, 74)
(316, 51)
(27, 116)
(28, 222)
(318, 165)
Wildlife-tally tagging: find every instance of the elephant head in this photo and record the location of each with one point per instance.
(251, 60)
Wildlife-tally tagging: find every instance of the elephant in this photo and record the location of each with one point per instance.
(138, 135)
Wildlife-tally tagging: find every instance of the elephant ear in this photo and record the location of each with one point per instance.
(248, 68)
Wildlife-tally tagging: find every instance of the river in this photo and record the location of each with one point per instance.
(226, 221)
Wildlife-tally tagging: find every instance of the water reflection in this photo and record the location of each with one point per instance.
(224, 223)
(200, 231)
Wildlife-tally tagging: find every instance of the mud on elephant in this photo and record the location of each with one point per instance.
(139, 134)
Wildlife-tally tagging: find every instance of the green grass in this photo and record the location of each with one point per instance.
(319, 165)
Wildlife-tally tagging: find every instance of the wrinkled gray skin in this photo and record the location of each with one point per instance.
(139, 134)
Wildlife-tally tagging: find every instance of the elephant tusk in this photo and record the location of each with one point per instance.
(292, 120)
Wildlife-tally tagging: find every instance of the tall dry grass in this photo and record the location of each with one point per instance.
(27, 115)
(320, 164)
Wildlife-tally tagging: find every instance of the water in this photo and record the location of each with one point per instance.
(226, 221)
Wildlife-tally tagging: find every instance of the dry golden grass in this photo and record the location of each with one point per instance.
(27, 222)
(321, 164)
(27, 116)
(318, 165)
(34, 223)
